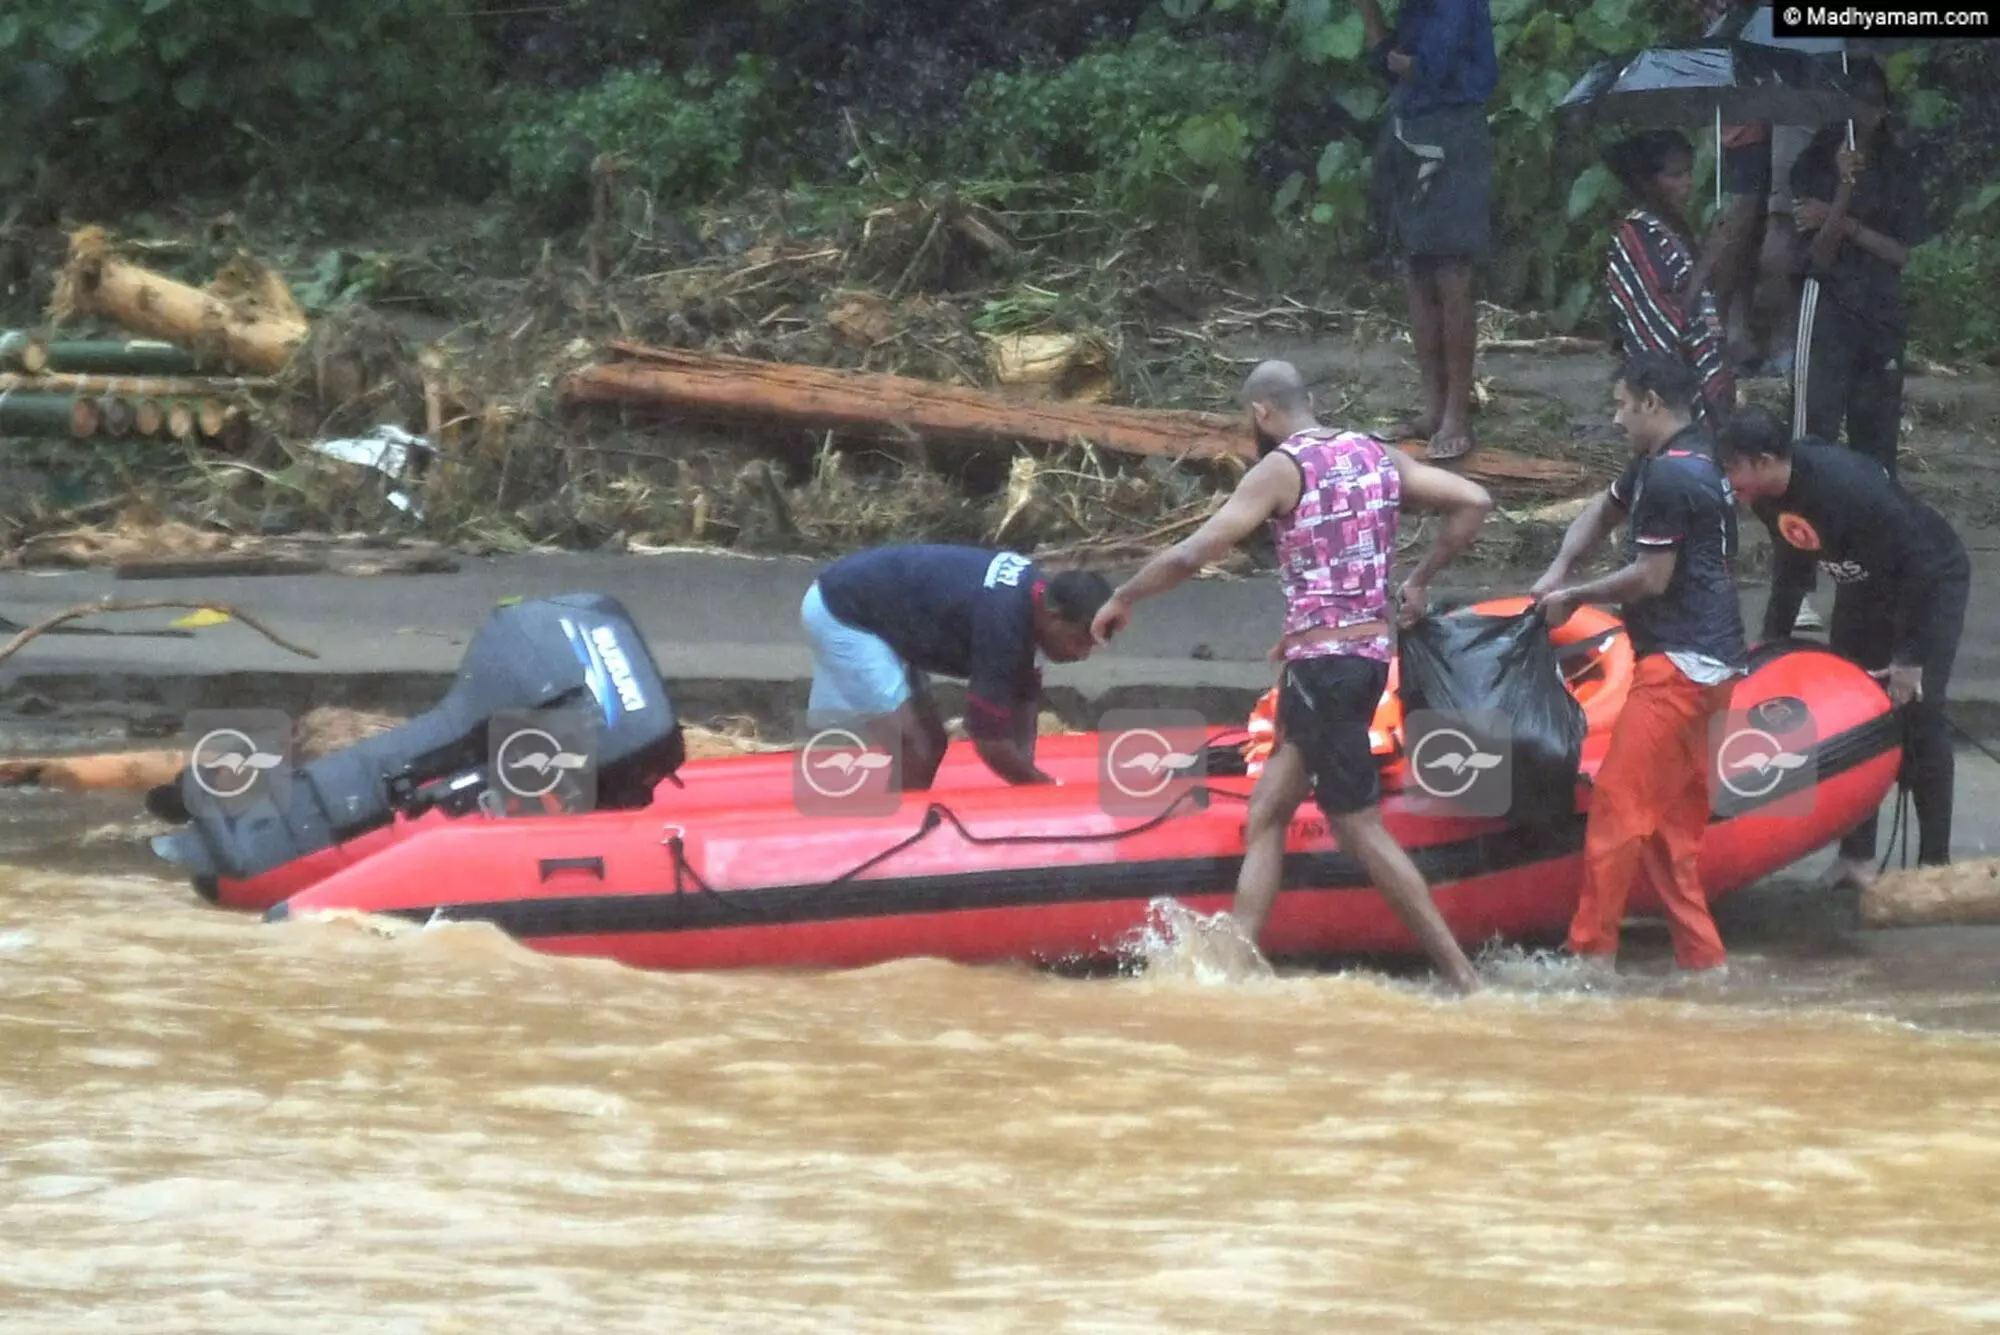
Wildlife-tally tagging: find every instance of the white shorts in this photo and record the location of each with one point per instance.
(856, 675)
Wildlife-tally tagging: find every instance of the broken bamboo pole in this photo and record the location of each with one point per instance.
(70, 415)
(115, 356)
(148, 416)
(250, 325)
(146, 385)
(211, 417)
(23, 351)
(116, 414)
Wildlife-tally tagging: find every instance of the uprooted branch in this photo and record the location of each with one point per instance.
(50, 622)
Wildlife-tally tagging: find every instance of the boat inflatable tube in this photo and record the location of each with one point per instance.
(723, 868)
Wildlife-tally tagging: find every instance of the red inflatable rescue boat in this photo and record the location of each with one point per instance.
(722, 870)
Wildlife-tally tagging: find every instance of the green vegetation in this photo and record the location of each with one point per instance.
(125, 100)
(1230, 135)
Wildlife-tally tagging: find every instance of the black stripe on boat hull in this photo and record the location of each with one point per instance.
(1031, 887)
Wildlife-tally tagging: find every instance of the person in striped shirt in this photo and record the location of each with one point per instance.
(1650, 272)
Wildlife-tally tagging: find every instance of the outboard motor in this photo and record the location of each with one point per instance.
(579, 652)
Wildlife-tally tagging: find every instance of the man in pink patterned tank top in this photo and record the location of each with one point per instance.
(1333, 499)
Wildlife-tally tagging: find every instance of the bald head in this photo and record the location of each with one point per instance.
(1278, 402)
(1277, 386)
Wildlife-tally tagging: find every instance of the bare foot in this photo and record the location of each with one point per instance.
(1452, 441)
(1412, 428)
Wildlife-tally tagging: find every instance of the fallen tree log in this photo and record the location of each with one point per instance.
(124, 771)
(1489, 463)
(814, 396)
(817, 396)
(220, 565)
(1963, 894)
(249, 326)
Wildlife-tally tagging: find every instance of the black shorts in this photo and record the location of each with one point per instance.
(1445, 215)
(1325, 707)
(1747, 170)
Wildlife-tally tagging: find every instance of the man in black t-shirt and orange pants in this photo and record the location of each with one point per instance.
(1650, 805)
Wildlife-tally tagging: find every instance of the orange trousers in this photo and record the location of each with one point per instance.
(1648, 812)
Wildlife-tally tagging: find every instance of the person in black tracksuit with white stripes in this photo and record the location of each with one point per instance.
(1904, 580)
(1858, 213)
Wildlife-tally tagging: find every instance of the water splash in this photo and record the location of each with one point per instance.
(1180, 944)
(1518, 968)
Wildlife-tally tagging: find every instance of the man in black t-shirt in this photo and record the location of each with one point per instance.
(1650, 803)
(881, 619)
(1903, 578)
(1859, 213)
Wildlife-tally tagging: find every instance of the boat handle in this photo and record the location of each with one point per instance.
(593, 865)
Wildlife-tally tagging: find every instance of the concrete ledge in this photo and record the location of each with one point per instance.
(776, 701)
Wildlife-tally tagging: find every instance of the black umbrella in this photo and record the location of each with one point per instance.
(1752, 25)
(1694, 85)
(1711, 83)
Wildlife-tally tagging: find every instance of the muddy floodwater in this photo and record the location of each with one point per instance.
(215, 1125)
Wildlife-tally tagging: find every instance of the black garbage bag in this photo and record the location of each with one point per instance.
(1489, 725)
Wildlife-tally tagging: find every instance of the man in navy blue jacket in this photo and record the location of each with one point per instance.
(1434, 166)
(882, 620)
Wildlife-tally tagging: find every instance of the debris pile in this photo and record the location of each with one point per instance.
(242, 390)
(896, 372)
(82, 388)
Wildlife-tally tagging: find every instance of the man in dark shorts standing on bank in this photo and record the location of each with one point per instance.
(1333, 499)
(879, 620)
(1434, 169)
(1903, 578)
(1650, 803)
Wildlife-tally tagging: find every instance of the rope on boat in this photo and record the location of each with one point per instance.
(936, 816)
